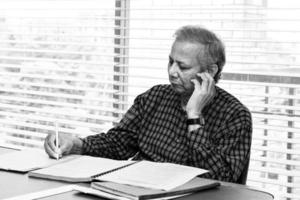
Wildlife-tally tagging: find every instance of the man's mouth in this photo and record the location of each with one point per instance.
(175, 84)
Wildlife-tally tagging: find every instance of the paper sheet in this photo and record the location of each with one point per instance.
(63, 189)
(27, 160)
(43, 193)
(164, 176)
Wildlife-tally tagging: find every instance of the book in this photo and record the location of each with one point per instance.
(140, 193)
(28, 160)
(149, 174)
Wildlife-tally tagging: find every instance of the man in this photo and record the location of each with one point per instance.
(191, 121)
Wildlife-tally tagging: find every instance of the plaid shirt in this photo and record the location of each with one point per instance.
(155, 129)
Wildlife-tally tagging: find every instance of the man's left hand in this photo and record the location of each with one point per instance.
(203, 93)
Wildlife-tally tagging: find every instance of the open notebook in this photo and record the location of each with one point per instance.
(81, 169)
(155, 175)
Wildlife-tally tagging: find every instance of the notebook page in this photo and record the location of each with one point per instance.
(82, 167)
(155, 175)
(27, 160)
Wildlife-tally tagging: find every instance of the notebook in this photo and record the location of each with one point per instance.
(28, 160)
(154, 175)
(81, 169)
(141, 193)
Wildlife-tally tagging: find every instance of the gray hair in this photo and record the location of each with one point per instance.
(214, 47)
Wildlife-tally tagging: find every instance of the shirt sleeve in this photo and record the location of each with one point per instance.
(224, 153)
(119, 142)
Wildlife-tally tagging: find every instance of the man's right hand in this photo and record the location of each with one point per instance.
(68, 144)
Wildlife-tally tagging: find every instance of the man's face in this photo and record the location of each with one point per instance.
(184, 65)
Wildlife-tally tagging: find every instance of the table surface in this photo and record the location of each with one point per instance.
(14, 184)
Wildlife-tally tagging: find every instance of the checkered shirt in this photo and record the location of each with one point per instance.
(155, 129)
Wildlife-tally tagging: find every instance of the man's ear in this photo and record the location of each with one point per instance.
(212, 70)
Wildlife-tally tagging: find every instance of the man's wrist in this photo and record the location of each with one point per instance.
(196, 120)
(77, 146)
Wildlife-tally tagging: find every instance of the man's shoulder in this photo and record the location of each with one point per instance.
(232, 103)
(155, 96)
(162, 87)
(233, 109)
(158, 90)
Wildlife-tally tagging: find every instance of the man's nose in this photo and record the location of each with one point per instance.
(173, 70)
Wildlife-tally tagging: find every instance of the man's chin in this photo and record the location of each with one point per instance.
(179, 89)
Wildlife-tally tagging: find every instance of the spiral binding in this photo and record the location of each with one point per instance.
(115, 169)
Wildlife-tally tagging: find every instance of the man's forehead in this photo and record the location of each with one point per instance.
(187, 53)
(188, 49)
(186, 46)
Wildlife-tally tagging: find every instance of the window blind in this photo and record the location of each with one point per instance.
(57, 63)
(262, 70)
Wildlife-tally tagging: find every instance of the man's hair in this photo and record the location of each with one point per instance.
(214, 47)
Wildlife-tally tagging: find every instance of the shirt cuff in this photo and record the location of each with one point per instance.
(85, 146)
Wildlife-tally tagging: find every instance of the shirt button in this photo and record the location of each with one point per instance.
(177, 140)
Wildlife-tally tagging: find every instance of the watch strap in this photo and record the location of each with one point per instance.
(199, 121)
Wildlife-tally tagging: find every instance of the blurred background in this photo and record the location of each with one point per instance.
(82, 63)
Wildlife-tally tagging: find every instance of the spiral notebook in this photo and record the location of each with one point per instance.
(81, 169)
(148, 174)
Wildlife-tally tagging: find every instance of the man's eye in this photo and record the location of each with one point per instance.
(181, 67)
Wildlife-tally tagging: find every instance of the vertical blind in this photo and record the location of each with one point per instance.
(84, 65)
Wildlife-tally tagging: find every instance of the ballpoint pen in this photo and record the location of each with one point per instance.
(56, 141)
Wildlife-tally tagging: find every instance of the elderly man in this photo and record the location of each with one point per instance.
(191, 121)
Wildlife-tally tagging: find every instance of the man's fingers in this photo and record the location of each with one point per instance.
(196, 83)
(211, 85)
(64, 148)
(49, 151)
(50, 146)
(204, 79)
(210, 80)
(51, 142)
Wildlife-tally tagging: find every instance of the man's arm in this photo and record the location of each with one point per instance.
(226, 152)
(119, 142)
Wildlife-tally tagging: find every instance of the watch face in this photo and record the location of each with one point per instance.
(199, 121)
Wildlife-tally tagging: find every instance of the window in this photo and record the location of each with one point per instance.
(262, 41)
(57, 65)
(84, 66)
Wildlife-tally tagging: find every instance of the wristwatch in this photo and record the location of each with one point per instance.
(200, 121)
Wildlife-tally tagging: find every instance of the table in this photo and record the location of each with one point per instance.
(14, 183)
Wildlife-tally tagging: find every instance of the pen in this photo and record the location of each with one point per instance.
(56, 140)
